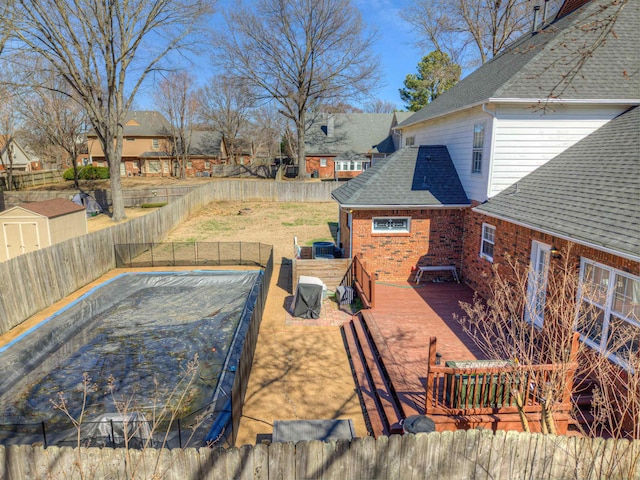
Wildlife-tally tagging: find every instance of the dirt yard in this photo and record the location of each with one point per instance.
(299, 372)
(265, 222)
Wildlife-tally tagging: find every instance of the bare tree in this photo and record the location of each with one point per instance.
(52, 117)
(8, 128)
(266, 130)
(380, 106)
(470, 31)
(105, 51)
(225, 105)
(502, 328)
(176, 98)
(300, 53)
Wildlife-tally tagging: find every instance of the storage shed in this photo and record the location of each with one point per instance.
(36, 225)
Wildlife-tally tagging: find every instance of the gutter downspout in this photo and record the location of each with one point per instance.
(491, 147)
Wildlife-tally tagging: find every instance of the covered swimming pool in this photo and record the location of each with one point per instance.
(122, 352)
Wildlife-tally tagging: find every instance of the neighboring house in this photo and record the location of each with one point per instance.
(147, 148)
(497, 125)
(37, 225)
(588, 195)
(22, 162)
(207, 148)
(343, 145)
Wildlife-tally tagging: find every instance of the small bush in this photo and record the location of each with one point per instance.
(88, 172)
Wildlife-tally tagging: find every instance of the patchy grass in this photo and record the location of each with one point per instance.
(272, 223)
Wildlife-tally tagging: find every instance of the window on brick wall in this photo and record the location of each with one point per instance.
(391, 225)
(323, 162)
(488, 241)
(609, 317)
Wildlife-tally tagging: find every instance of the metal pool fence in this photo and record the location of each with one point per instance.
(188, 254)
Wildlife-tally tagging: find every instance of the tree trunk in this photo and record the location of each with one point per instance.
(113, 154)
(302, 160)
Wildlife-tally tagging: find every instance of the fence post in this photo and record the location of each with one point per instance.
(151, 244)
(179, 434)
(240, 243)
(429, 390)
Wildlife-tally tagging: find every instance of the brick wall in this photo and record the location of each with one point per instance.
(435, 239)
(315, 163)
(514, 242)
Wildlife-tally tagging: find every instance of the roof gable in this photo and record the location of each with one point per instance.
(589, 193)
(143, 123)
(559, 60)
(411, 177)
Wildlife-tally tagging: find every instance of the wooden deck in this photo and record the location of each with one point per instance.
(389, 350)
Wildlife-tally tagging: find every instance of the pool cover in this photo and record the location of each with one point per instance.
(133, 337)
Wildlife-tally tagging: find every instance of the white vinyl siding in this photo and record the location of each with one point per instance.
(527, 137)
(455, 131)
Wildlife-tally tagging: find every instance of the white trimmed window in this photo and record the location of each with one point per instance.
(391, 225)
(488, 241)
(347, 166)
(323, 162)
(609, 320)
(409, 141)
(478, 148)
(155, 143)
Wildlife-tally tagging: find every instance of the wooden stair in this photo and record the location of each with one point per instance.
(383, 412)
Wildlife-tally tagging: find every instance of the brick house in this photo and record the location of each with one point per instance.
(499, 124)
(409, 211)
(589, 195)
(340, 146)
(147, 148)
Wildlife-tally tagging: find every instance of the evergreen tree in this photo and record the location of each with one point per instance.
(436, 74)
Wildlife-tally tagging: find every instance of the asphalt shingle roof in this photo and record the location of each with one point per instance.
(589, 193)
(361, 133)
(416, 177)
(53, 208)
(205, 143)
(558, 60)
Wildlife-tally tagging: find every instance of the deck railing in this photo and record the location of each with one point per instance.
(496, 387)
(364, 283)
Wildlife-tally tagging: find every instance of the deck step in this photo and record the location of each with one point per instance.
(383, 388)
(376, 423)
(406, 403)
(374, 386)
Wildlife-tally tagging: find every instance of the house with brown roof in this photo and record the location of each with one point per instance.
(36, 225)
(147, 148)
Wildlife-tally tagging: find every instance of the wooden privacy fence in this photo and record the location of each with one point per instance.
(20, 180)
(476, 454)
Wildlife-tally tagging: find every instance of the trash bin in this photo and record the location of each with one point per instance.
(418, 424)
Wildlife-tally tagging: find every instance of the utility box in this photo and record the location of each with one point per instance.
(482, 390)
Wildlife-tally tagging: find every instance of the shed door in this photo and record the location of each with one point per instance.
(20, 238)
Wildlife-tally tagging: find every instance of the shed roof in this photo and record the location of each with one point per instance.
(52, 208)
(590, 193)
(412, 177)
(575, 57)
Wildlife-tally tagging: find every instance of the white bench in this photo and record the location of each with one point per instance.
(437, 268)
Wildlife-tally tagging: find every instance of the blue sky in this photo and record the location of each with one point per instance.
(394, 47)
